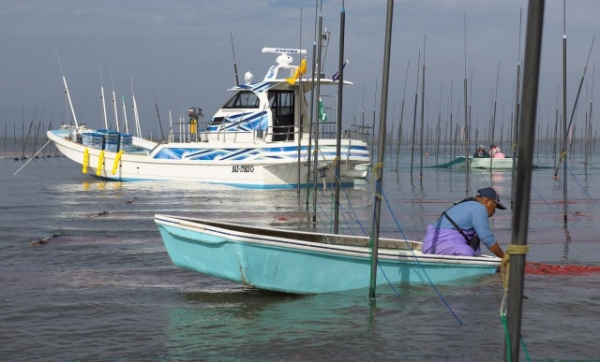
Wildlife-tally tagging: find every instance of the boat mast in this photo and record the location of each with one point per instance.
(103, 103)
(67, 91)
(136, 117)
(378, 169)
(114, 101)
(124, 114)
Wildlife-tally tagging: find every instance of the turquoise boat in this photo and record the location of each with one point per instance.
(306, 262)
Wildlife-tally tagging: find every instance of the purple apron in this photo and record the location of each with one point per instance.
(448, 242)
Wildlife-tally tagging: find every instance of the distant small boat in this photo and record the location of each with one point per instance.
(259, 138)
(491, 163)
(306, 262)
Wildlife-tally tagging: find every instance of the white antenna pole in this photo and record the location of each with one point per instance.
(114, 101)
(102, 100)
(136, 116)
(124, 114)
(67, 90)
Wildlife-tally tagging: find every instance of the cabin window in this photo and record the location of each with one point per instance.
(243, 99)
(282, 109)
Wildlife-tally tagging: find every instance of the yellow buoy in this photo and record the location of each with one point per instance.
(86, 160)
(117, 161)
(100, 163)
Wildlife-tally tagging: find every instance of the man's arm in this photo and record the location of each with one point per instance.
(496, 249)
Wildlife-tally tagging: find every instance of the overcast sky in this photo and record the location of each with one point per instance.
(180, 51)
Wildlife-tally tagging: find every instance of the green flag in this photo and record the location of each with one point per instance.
(322, 114)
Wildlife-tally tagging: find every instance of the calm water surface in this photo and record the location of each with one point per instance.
(103, 288)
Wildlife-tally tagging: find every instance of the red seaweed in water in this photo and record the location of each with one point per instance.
(542, 268)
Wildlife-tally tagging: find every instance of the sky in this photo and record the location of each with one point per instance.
(179, 54)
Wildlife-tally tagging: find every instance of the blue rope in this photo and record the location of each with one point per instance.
(354, 213)
(584, 190)
(541, 197)
(417, 260)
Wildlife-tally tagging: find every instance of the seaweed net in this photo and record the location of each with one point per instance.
(543, 268)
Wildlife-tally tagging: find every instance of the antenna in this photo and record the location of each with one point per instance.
(234, 62)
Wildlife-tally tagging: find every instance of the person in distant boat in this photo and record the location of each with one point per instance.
(461, 228)
(496, 152)
(481, 152)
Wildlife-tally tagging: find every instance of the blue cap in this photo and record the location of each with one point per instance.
(490, 193)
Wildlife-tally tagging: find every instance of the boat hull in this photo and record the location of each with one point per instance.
(491, 163)
(305, 263)
(248, 165)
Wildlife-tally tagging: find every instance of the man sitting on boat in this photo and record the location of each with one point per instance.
(495, 151)
(481, 152)
(460, 228)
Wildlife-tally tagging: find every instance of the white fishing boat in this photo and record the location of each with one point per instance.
(260, 138)
(487, 163)
(306, 262)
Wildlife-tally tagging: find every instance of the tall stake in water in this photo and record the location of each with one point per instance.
(412, 148)
(565, 132)
(316, 120)
(311, 117)
(466, 135)
(401, 117)
(338, 151)
(422, 111)
(518, 248)
(378, 169)
(516, 114)
(494, 113)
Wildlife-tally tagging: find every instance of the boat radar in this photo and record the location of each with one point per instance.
(284, 61)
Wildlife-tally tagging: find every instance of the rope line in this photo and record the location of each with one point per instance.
(581, 186)
(418, 262)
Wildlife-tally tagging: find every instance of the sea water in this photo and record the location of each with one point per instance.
(85, 276)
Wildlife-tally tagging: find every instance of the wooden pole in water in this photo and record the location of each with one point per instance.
(531, 72)
(378, 169)
(516, 115)
(466, 133)
(401, 117)
(316, 120)
(339, 123)
(564, 138)
(414, 130)
(422, 112)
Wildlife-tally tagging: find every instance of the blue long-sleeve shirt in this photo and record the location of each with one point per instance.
(469, 215)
